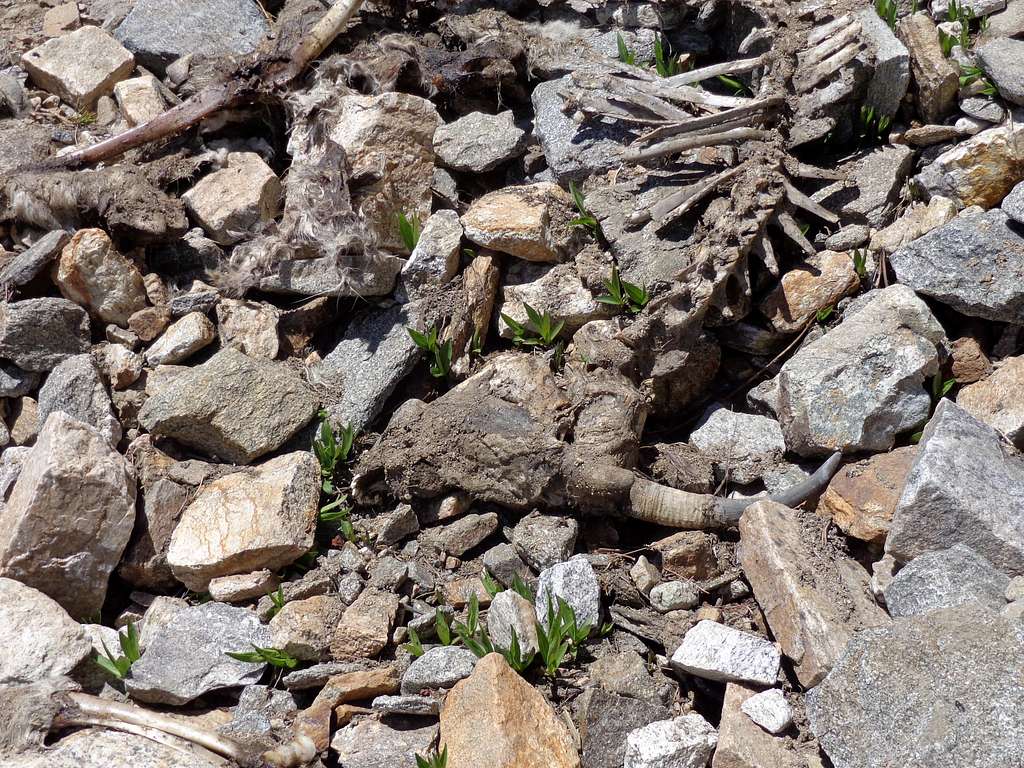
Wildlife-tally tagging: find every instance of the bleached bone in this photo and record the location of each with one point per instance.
(710, 121)
(800, 200)
(738, 67)
(806, 81)
(674, 146)
(791, 229)
(825, 31)
(202, 757)
(689, 95)
(804, 171)
(674, 206)
(756, 35)
(829, 46)
(765, 251)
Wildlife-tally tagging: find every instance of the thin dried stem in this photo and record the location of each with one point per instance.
(792, 230)
(738, 67)
(693, 142)
(800, 200)
(710, 121)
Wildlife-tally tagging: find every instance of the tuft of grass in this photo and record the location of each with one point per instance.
(84, 118)
(440, 354)
(738, 87)
(409, 230)
(665, 63)
(586, 219)
(887, 10)
(120, 665)
(332, 451)
(414, 647)
(626, 56)
(540, 330)
(823, 314)
(970, 74)
(434, 760)
(277, 598)
(940, 386)
(272, 656)
(623, 294)
(860, 259)
(872, 127)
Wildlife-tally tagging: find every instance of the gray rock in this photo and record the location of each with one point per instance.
(14, 382)
(33, 260)
(464, 534)
(69, 516)
(479, 142)
(373, 744)
(39, 638)
(102, 748)
(37, 334)
(743, 445)
(861, 384)
(674, 596)
(951, 675)
(158, 33)
(970, 264)
(187, 657)
(717, 652)
(435, 259)
(965, 486)
(1013, 203)
(558, 291)
(1015, 589)
(502, 562)
(605, 720)
(1003, 61)
(626, 674)
(11, 462)
(363, 370)
(891, 74)
(440, 667)
(259, 706)
(421, 706)
(849, 237)
(576, 583)
(544, 540)
(393, 526)
(144, 563)
(75, 387)
(317, 675)
(983, 108)
(878, 176)
(511, 612)
(326, 277)
(232, 406)
(13, 101)
(943, 579)
(686, 741)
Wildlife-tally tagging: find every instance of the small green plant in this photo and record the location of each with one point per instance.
(409, 230)
(277, 600)
(738, 87)
(540, 330)
(515, 657)
(873, 128)
(338, 514)
(585, 219)
(434, 760)
(414, 647)
(665, 63)
(562, 636)
(332, 451)
(443, 629)
(623, 294)
(823, 314)
(940, 386)
(946, 42)
(887, 10)
(860, 259)
(472, 635)
(491, 586)
(521, 588)
(84, 118)
(440, 354)
(272, 656)
(959, 12)
(626, 56)
(970, 74)
(119, 665)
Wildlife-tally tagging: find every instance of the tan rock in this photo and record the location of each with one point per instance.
(229, 202)
(919, 220)
(140, 99)
(150, 322)
(365, 628)
(969, 363)
(389, 138)
(978, 171)
(862, 496)
(742, 743)
(24, 421)
(250, 326)
(494, 718)
(359, 685)
(263, 517)
(999, 400)
(304, 628)
(60, 19)
(93, 274)
(530, 221)
(927, 135)
(936, 78)
(243, 586)
(119, 365)
(345, 713)
(813, 596)
(80, 66)
(688, 554)
(816, 283)
(182, 340)
(458, 592)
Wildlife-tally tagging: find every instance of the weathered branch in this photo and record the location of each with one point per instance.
(675, 146)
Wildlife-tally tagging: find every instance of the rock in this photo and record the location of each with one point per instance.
(61, 19)
(816, 283)
(813, 599)
(544, 540)
(140, 99)
(118, 364)
(968, 361)
(717, 652)
(936, 78)
(978, 171)
(627, 674)
(742, 445)
(261, 710)
(644, 574)
(511, 612)
(102, 748)
(435, 259)
(264, 517)
(229, 202)
(861, 384)
(1001, 60)
(37, 334)
(242, 586)
(675, 595)
(440, 667)
(770, 710)
(39, 639)
(743, 744)
(374, 355)
(187, 657)
(951, 673)
(918, 220)
(606, 719)
(11, 462)
(891, 74)
(422, 706)
(371, 743)
(25, 266)
(497, 719)
(182, 340)
(159, 34)
(879, 176)
(464, 534)
(80, 66)
(75, 387)
(479, 142)
(945, 578)
(394, 526)
(389, 138)
(690, 554)
(1015, 589)
(325, 277)
(530, 222)
(557, 291)
(964, 487)
(686, 741)
(996, 401)
(358, 684)
(68, 557)
(504, 564)
(304, 628)
(862, 496)
(144, 563)
(149, 323)
(201, 407)
(575, 582)
(365, 628)
(983, 108)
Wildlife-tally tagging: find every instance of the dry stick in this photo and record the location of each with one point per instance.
(805, 171)
(792, 231)
(708, 121)
(818, 34)
(738, 67)
(825, 49)
(800, 200)
(664, 212)
(766, 252)
(681, 145)
(690, 95)
(218, 96)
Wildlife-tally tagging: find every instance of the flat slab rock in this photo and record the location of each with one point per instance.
(717, 652)
(941, 690)
(944, 579)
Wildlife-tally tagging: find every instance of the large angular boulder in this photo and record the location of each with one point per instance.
(69, 516)
(93, 274)
(260, 518)
(80, 66)
(75, 387)
(946, 578)
(232, 406)
(36, 334)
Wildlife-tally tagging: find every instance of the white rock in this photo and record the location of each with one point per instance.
(242, 586)
(93, 274)
(575, 582)
(140, 99)
(674, 596)
(181, 340)
(742, 444)
(228, 202)
(770, 710)
(682, 742)
(644, 574)
(250, 326)
(510, 612)
(79, 67)
(435, 259)
(38, 637)
(717, 652)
